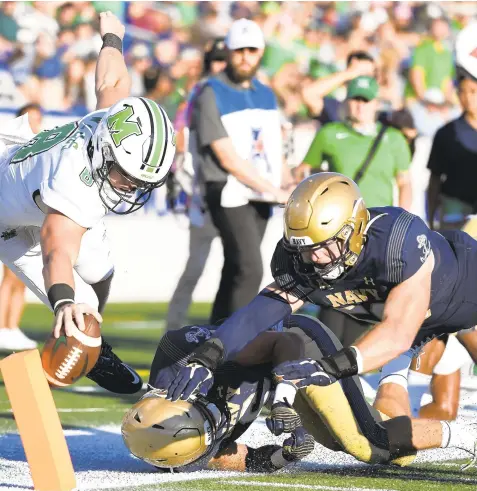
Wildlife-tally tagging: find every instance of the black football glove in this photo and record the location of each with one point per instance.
(298, 445)
(188, 380)
(303, 373)
(282, 419)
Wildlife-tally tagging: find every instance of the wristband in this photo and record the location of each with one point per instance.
(342, 364)
(110, 40)
(60, 294)
(359, 358)
(210, 354)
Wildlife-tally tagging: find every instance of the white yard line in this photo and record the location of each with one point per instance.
(301, 486)
(85, 409)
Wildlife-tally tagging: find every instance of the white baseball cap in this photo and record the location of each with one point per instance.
(244, 33)
(466, 49)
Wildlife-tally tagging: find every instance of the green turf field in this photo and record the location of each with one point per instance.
(133, 330)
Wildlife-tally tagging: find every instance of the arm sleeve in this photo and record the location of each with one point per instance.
(402, 153)
(265, 311)
(438, 161)
(206, 116)
(314, 156)
(408, 247)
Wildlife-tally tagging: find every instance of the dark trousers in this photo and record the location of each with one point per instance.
(344, 327)
(241, 229)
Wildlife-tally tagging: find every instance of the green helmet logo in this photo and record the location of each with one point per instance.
(120, 126)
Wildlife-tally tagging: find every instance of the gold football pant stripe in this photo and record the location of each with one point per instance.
(327, 415)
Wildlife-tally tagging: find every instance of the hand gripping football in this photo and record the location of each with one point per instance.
(68, 358)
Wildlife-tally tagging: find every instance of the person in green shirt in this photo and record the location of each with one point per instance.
(432, 65)
(345, 145)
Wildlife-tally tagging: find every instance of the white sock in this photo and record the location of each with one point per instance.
(459, 434)
(284, 391)
(446, 433)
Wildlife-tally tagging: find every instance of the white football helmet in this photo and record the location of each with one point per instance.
(466, 52)
(135, 139)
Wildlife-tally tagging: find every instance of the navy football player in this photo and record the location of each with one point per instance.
(380, 265)
(202, 432)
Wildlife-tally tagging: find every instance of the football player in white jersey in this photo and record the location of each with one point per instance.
(56, 187)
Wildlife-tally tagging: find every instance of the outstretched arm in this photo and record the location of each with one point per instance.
(404, 313)
(268, 308)
(112, 79)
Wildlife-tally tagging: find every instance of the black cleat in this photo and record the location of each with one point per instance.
(114, 375)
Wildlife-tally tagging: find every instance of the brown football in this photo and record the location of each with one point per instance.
(68, 358)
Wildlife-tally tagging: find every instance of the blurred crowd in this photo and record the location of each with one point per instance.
(48, 50)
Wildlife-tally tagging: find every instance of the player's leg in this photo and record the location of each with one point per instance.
(445, 383)
(392, 397)
(468, 338)
(12, 302)
(400, 436)
(95, 269)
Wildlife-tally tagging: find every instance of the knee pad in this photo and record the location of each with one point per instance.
(453, 358)
(397, 370)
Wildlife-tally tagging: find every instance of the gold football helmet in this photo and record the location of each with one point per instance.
(170, 434)
(323, 209)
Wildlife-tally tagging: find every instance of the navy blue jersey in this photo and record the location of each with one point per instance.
(239, 392)
(397, 245)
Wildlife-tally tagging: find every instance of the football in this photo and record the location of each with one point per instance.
(68, 358)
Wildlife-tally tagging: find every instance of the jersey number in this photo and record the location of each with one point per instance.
(43, 142)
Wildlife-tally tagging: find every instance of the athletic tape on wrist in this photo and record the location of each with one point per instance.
(110, 40)
(342, 364)
(359, 359)
(60, 294)
(278, 460)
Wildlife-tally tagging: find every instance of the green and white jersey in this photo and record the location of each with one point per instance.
(52, 169)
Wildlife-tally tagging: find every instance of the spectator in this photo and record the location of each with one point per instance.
(140, 62)
(202, 230)
(420, 146)
(12, 290)
(346, 145)
(432, 112)
(8, 24)
(432, 65)
(372, 154)
(452, 193)
(236, 130)
(315, 95)
(74, 87)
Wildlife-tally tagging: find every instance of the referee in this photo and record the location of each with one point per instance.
(236, 134)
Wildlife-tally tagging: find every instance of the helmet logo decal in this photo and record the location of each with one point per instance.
(197, 332)
(120, 126)
(301, 241)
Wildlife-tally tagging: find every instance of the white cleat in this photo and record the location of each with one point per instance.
(473, 461)
(15, 340)
(463, 435)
